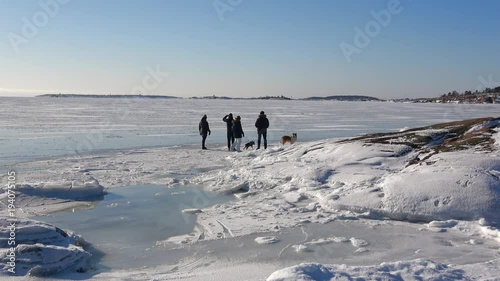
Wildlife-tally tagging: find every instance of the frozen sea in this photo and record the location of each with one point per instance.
(40, 128)
(283, 221)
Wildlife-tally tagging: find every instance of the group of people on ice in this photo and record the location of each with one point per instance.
(235, 131)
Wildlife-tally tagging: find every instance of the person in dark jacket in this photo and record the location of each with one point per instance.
(237, 133)
(229, 123)
(262, 124)
(204, 129)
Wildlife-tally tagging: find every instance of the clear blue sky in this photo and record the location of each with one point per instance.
(258, 47)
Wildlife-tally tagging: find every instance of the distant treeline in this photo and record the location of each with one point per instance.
(106, 96)
(471, 93)
(335, 98)
(488, 95)
(214, 97)
(345, 98)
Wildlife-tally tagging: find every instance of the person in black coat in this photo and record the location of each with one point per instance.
(229, 123)
(262, 124)
(204, 129)
(237, 133)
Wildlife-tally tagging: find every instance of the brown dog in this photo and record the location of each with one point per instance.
(291, 139)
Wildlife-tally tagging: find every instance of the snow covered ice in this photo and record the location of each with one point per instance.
(413, 204)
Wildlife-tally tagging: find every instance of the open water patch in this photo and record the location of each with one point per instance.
(126, 224)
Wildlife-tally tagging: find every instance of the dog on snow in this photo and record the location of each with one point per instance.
(249, 144)
(291, 139)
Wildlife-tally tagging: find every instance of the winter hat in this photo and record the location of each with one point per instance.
(238, 118)
(262, 113)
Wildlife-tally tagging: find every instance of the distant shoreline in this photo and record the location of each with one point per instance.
(104, 96)
(336, 98)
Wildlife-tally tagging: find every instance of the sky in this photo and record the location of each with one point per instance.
(249, 48)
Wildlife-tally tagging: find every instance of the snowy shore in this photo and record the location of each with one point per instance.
(442, 178)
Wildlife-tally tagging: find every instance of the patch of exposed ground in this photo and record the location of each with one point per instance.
(473, 134)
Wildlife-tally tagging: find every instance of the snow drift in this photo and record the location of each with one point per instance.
(411, 270)
(442, 172)
(42, 249)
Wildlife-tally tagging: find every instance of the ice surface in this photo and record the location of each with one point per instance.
(352, 205)
(136, 217)
(36, 128)
(65, 190)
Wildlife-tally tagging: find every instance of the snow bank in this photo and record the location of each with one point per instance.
(410, 270)
(42, 249)
(324, 181)
(488, 124)
(75, 190)
(327, 180)
(454, 185)
(53, 194)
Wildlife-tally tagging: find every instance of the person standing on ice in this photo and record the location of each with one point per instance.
(204, 129)
(229, 123)
(237, 133)
(262, 124)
